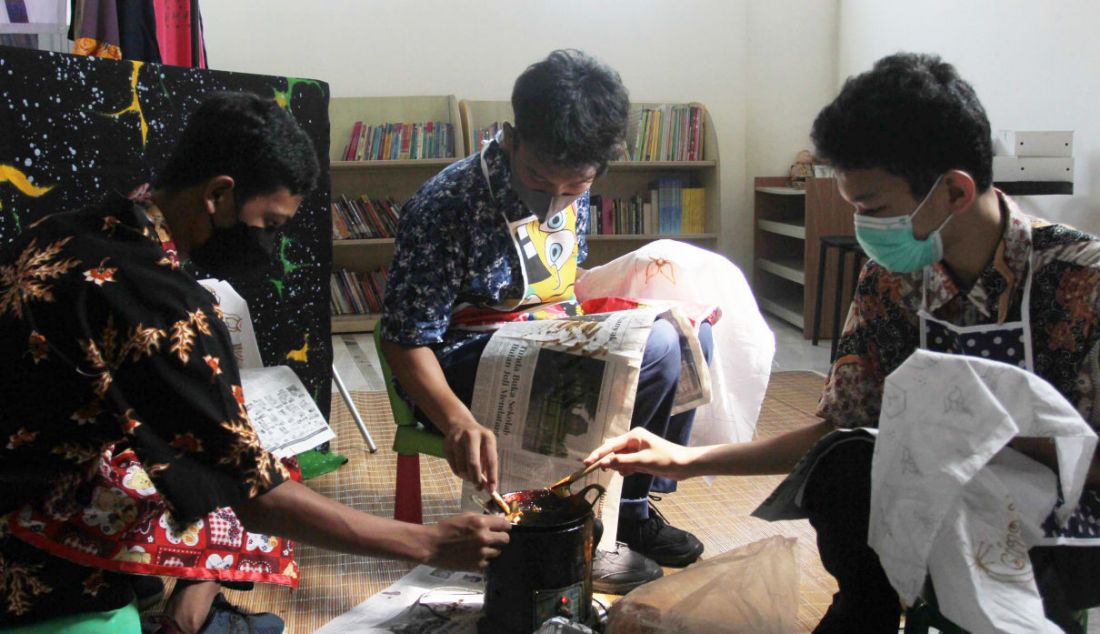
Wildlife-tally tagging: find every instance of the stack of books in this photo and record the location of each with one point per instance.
(357, 293)
(393, 141)
(668, 208)
(668, 133)
(484, 135)
(362, 217)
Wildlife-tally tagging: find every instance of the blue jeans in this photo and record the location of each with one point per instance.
(660, 373)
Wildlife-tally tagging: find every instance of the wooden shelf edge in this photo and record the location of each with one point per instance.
(609, 237)
(354, 323)
(650, 165)
(785, 313)
(362, 242)
(790, 270)
(788, 229)
(782, 191)
(351, 166)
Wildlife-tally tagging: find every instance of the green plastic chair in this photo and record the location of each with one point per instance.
(412, 439)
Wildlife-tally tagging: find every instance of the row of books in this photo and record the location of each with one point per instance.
(668, 133)
(357, 218)
(392, 141)
(357, 293)
(483, 135)
(668, 209)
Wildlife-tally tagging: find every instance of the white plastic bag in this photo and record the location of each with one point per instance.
(753, 588)
(743, 343)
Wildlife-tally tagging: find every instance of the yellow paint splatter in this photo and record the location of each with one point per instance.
(135, 103)
(301, 355)
(10, 174)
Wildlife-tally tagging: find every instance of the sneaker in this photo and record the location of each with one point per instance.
(655, 538)
(225, 618)
(621, 570)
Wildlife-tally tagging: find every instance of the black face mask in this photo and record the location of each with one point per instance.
(237, 253)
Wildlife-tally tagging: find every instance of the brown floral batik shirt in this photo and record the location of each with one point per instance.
(883, 328)
(116, 369)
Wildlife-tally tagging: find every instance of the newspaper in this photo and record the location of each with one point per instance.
(785, 502)
(284, 415)
(554, 390)
(425, 600)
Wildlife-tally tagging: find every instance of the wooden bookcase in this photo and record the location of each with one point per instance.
(397, 178)
(788, 225)
(624, 179)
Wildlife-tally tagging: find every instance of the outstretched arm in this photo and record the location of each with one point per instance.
(641, 450)
(293, 510)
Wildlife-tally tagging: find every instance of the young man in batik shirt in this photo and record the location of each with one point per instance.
(913, 151)
(126, 447)
(502, 232)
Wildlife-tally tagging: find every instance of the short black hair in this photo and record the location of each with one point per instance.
(572, 111)
(911, 115)
(246, 137)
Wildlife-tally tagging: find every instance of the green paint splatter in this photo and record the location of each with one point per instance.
(278, 284)
(288, 266)
(284, 97)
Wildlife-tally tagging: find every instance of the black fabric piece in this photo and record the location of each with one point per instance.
(137, 30)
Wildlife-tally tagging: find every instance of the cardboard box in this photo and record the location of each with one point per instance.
(1038, 143)
(1014, 168)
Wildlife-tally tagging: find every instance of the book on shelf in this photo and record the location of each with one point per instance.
(669, 207)
(364, 217)
(399, 141)
(670, 132)
(355, 293)
(481, 136)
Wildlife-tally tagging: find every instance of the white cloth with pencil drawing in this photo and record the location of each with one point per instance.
(950, 500)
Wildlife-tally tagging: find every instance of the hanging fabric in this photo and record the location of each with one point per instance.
(179, 32)
(94, 29)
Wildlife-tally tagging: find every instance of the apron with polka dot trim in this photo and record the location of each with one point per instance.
(1010, 342)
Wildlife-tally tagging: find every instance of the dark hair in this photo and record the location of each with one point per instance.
(248, 138)
(571, 110)
(911, 115)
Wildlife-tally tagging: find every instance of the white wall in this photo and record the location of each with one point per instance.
(1034, 65)
(665, 50)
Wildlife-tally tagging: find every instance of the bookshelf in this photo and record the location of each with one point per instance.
(625, 178)
(379, 179)
(789, 224)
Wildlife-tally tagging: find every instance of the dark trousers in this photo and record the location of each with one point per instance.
(838, 501)
(657, 381)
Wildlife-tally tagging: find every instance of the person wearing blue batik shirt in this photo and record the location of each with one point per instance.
(502, 232)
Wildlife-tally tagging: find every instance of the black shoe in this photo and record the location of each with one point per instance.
(655, 538)
(621, 570)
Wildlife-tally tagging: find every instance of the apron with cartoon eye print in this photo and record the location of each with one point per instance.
(547, 253)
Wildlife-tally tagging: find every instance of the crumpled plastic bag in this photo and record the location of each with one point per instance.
(743, 344)
(753, 588)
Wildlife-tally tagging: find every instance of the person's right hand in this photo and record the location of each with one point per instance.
(640, 450)
(471, 450)
(467, 541)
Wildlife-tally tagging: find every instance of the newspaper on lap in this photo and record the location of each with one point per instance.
(553, 390)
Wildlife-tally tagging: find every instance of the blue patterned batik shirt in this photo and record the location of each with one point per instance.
(456, 247)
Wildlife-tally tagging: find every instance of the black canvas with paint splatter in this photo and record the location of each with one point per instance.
(74, 128)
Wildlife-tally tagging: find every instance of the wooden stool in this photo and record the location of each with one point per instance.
(843, 245)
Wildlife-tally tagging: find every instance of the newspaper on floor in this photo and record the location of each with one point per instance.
(553, 390)
(284, 415)
(785, 502)
(425, 600)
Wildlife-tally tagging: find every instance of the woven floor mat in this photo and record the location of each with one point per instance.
(332, 583)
